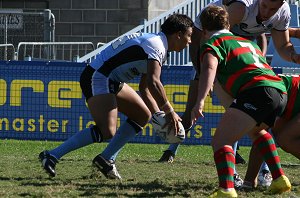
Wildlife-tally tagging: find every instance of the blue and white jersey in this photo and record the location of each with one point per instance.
(249, 25)
(127, 57)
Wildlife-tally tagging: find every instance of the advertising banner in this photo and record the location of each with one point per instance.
(43, 101)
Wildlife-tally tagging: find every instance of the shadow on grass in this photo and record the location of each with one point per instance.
(154, 188)
(110, 188)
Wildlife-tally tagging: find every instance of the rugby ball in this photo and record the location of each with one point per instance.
(158, 121)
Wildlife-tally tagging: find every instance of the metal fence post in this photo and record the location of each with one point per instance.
(47, 33)
(5, 29)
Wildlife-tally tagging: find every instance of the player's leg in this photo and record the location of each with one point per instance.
(224, 98)
(264, 175)
(226, 134)
(263, 104)
(238, 158)
(238, 181)
(266, 144)
(105, 118)
(288, 137)
(129, 103)
(281, 133)
(103, 108)
(254, 163)
(170, 153)
(267, 149)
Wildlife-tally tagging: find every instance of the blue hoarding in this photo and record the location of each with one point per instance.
(43, 101)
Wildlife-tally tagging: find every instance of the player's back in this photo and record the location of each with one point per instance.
(241, 63)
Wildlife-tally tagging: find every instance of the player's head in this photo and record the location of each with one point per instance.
(268, 8)
(178, 29)
(214, 18)
(176, 23)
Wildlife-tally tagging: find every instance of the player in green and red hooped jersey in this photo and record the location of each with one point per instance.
(260, 96)
(286, 129)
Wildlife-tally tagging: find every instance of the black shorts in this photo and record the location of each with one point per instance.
(263, 104)
(90, 88)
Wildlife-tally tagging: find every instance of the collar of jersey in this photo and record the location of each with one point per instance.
(220, 32)
(164, 40)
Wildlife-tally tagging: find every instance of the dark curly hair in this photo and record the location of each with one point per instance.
(176, 23)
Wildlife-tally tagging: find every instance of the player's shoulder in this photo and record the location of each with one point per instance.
(285, 8)
(156, 41)
(158, 37)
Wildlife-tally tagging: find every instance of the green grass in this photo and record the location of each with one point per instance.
(191, 175)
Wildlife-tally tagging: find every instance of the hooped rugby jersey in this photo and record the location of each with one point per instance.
(249, 26)
(127, 57)
(241, 64)
(293, 105)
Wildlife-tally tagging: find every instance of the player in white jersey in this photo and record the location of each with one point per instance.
(252, 22)
(103, 83)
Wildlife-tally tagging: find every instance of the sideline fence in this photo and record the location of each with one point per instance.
(17, 26)
(43, 101)
(7, 52)
(70, 51)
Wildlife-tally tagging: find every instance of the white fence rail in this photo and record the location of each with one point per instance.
(99, 44)
(68, 51)
(17, 25)
(189, 7)
(7, 52)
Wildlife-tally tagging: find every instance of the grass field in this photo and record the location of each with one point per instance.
(191, 175)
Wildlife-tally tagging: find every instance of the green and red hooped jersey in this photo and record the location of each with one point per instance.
(292, 107)
(241, 64)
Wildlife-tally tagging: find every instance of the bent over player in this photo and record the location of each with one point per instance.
(103, 83)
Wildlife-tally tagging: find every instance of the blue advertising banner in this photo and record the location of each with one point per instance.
(43, 101)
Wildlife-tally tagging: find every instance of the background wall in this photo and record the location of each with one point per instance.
(157, 7)
(94, 20)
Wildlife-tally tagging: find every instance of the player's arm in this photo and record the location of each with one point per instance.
(158, 92)
(284, 47)
(154, 84)
(194, 48)
(262, 43)
(146, 95)
(236, 12)
(209, 66)
(294, 32)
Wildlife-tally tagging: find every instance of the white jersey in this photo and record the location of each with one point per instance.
(127, 57)
(249, 26)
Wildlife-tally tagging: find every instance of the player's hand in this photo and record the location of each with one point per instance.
(172, 120)
(197, 112)
(211, 91)
(295, 58)
(186, 121)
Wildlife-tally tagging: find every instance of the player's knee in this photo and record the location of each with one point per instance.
(286, 147)
(212, 143)
(96, 134)
(186, 121)
(143, 118)
(285, 144)
(100, 134)
(148, 117)
(137, 128)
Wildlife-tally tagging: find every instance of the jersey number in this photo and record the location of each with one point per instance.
(255, 55)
